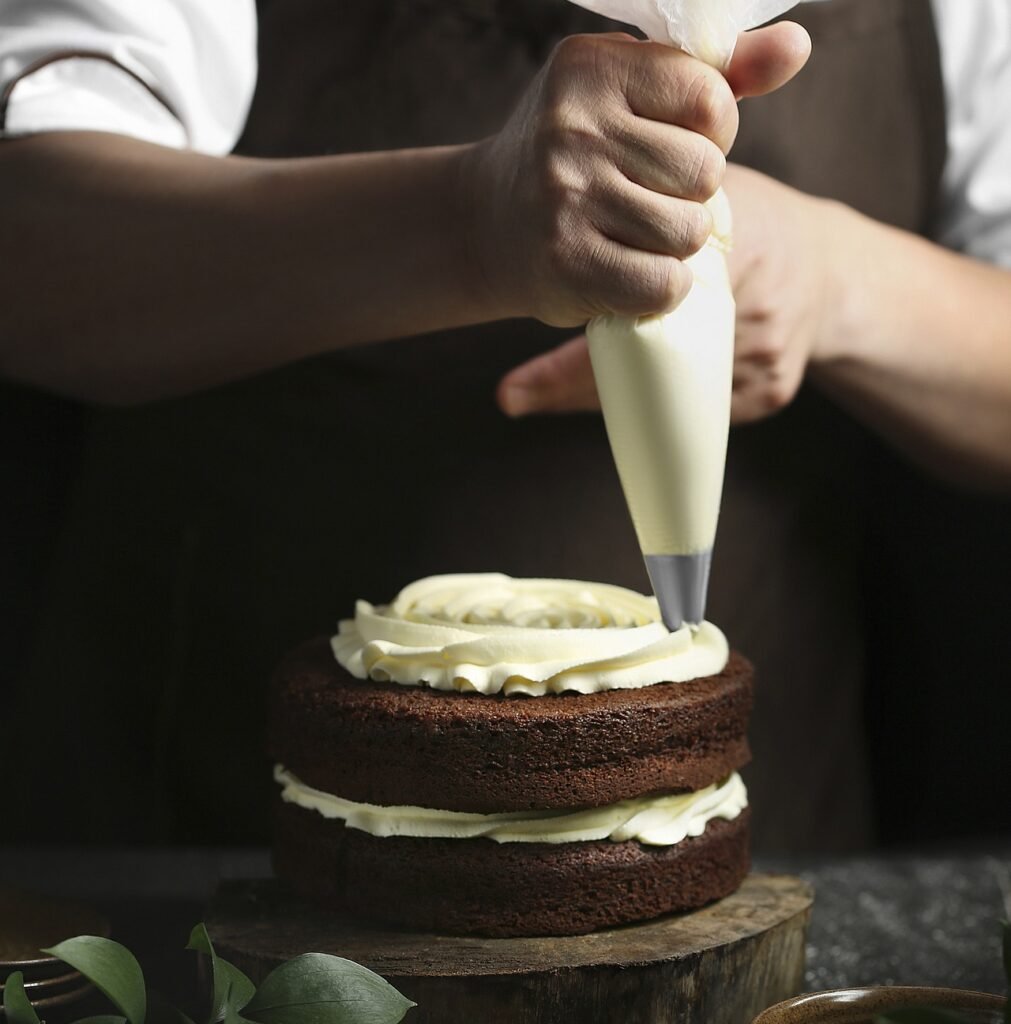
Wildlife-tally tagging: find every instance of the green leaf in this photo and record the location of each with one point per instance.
(111, 968)
(921, 1015)
(17, 1008)
(161, 1011)
(316, 988)
(233, 1016)
(104, 1018)
(232, 989)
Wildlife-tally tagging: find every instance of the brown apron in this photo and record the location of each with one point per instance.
(207, 535)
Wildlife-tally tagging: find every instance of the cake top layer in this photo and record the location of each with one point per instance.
(490, 633)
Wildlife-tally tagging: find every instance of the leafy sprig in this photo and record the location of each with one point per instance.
(111, 968)
(314, 988)
(17, 1008)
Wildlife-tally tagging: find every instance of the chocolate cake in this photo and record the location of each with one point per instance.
(424, 805)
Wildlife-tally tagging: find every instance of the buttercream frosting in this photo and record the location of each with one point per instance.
(651, 820)
(665, 386)
(490, 633)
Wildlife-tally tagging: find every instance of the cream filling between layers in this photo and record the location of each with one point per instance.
(651, 820)
(489, 633)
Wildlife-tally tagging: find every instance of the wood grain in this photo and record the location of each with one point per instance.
(719, 965)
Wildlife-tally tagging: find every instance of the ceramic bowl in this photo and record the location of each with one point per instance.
(860, 1005)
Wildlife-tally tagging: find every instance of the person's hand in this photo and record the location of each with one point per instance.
(787, 301)
(592, 195)
(783, 271)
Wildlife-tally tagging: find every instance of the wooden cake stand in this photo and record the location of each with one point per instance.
(719, 965)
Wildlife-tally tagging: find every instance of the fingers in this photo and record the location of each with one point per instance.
(747, 404)
(640, 219)
(768, 58)
(665, 85)
(667, 159)
(622, 279)
(769, 365)
(557, 381)
(592, 195)
(652, 81)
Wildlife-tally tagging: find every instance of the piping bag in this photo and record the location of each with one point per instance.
(665, 381)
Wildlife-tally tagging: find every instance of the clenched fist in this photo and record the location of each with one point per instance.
(590, 198)
(785, 282)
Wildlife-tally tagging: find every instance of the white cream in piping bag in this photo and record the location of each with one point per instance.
(664, 384)
(489, 633)
(652, 820)
(665, 381)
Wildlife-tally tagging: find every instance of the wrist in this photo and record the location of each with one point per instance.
(838, 271)
(845, 250)
(484, 227)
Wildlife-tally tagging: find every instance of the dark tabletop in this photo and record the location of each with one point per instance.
(898, 919)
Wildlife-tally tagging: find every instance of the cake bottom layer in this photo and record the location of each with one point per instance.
(480, 887)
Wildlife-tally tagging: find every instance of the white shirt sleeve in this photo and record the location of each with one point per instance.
(975, 42)
(176, 72)
(199, 57)
(975, 38)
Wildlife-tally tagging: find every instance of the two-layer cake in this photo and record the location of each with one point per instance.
(512, 757)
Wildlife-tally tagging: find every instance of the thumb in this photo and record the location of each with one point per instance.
(560, 380)
(768, 58)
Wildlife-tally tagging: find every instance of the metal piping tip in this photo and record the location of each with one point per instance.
(680, 583)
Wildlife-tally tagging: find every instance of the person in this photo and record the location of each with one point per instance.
(237, 510)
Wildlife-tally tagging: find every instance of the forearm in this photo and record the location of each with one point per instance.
(920, 349)
(132, 271)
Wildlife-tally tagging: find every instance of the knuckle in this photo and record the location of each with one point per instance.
(551, 134)
(778, 393)
(710, 106)
(551, 169)
(559, 181)
(704, 100)
(707, 171)
(692, 228)
(730, 126)
(599, 273)
(700, 227)
(571, 254)
(573, 47)
(776, 399)
(560, 72)
(564, 51)
(664, 285)
(565, 149)
(768, 350)
(573, 55)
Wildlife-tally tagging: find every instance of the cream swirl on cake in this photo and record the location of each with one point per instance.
(490, 633)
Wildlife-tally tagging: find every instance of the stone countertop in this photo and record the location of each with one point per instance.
(906, 919)
(921, 918)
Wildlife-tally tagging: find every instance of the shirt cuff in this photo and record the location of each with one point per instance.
(87, 92)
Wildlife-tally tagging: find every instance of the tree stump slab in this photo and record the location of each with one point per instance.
(722, 964)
